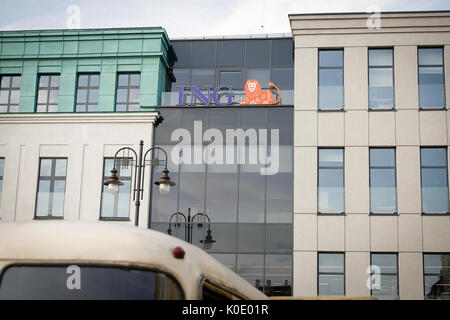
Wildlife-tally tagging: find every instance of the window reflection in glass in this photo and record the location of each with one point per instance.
(387, 264)
(230, 53)
(331, 277)
(383, 195)
(331, 181)
(51, 187)
(431, 78)
(258, 53)
(331, 79)
(117, 206)
(434, 180)
(437, 276)
(203, 53)
(381, 79)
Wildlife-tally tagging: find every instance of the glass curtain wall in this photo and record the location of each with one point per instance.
(249, 215)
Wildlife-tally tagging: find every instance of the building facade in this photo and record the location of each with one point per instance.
(331, 180)
(370, 154)
(69, 100)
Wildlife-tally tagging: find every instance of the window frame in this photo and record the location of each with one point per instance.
(331, 273)
(318, 180)
(128, 87)
(115, 216)
(319, 107)
(48, 89)
(392, 66)
(395, 212)
(431, 65)
(9, 89)
(388, 273)
(52, 178)
(88, 88)
(430, 274)
(421, 179)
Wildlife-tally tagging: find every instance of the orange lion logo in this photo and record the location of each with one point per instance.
(254, 94)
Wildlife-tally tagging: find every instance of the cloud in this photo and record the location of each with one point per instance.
(194, 18)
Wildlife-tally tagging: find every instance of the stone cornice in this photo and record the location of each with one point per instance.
(113, 117)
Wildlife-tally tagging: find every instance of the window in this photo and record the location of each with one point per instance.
(231, 78)
(436, 275)
(51, 188)
(230, 53)
(331, 181)
(127, 98)
(431, 78)
(203, 54)
(97, 282)
(9, 93)
(47, 98)
(331, 274)
(384, 265)
(381, 79)
(383, 191)
(331, 79)
(87, 92)
(2, 169)
(434, 180)
(117, 206)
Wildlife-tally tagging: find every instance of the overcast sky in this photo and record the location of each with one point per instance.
(192, 18)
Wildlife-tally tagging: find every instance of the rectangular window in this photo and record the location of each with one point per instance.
(384, 276)
(117, 206)
(331, 79)
(47, 98)
(436, 275)
(51, 188)
(433, 162)
(331, 181)
(431, 78)
(9, 93)
(2, 169)
(381, 79)
(127, 96)
(383, 190)
(87, 92)
(331, 274)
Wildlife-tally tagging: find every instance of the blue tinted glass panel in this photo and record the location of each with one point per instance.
(183, 52)
(331, 88)
(203, 78)
(436, 157)
(381, 88)
(283, 78)
(331, 58)
(434, 190)
(380, 157)
(258, 53)
(380, 57)
(203, 53)
(260, 74)
(331, 157)
(231, 78)
(431, 87)
(282, 52)
(430, 56)
(230, 53)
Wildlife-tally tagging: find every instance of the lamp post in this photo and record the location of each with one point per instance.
(140, 163)
(189, 221)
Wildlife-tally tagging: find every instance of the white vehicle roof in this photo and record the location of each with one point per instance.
(104, 243)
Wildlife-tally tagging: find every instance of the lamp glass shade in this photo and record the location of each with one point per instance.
(164, 188)
(113, 188)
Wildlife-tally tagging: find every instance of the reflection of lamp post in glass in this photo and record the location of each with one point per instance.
(164, 182)
(189, 221)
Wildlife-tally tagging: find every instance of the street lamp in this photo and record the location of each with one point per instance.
(189, 221)
(164, 182)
